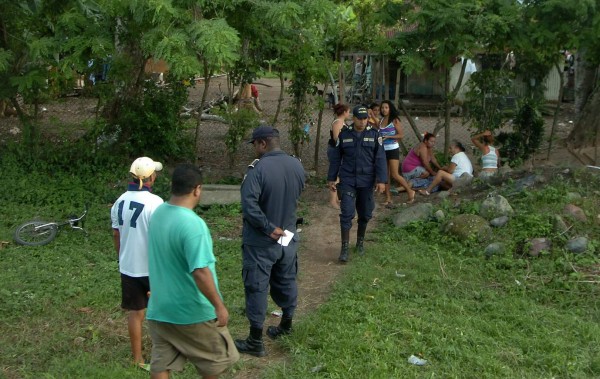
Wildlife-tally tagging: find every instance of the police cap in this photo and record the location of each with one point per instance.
(263, 132)
(360, 112)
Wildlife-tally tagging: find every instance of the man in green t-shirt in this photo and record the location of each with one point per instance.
(186, 315)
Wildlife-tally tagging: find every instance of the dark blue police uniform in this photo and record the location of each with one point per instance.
(359, 162)
(270, 193)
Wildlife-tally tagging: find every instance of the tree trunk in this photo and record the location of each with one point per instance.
(281, 93)
(207, 76)
(411, 121)
(447, 95)
(561, 92)
(585, 79)
(319, 122)
(587, 128)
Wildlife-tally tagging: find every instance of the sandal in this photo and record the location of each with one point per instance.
(424, 192)
(388, 205)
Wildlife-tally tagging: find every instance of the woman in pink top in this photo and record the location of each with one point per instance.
(419, 160)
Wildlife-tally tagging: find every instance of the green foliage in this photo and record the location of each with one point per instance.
(240, 123)
(487, 92)
(300, 108)
(154, 127)
(527, 134)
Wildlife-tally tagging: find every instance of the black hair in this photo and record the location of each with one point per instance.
(185, 178)
(393, 111)
(340, 108)
(458, 144)
(427, 136)
(373, 105)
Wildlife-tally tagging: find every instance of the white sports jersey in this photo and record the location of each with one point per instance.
(130, 214)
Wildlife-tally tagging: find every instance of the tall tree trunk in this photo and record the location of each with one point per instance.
(447, 106)
(281, 94)
(587, 128)
(319, 122)
(561, 92)
(207, 77)
(585, 79)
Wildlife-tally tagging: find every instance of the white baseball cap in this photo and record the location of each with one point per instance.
(144, 167)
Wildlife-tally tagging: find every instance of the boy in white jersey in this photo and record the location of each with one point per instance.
(130, 215)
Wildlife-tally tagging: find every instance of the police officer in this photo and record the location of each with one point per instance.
(270, 193)
(359, 162)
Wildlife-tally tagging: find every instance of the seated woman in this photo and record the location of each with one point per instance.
(419, 159)
(490, 156)
(459, 165)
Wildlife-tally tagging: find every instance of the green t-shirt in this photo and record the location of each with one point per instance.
(178, 243)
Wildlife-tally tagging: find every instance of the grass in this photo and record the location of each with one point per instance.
(415, 292)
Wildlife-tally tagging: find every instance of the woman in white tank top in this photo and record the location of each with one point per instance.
(490, 156)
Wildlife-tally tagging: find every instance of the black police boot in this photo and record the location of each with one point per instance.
(284, 327)
(345, 246)
(360, 239)
(252, 345)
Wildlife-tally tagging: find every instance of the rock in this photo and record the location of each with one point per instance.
(443, 194)
(537, 245)
(573, 197)
(463, 181)
(494, 248)
(525, 182)
(574, 212)
(495, 206)
(577, 245)
(499, 222)
(418, 212)
(466, 226)
(439, 215)
(559, 225)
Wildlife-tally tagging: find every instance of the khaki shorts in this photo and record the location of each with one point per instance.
(208, 347)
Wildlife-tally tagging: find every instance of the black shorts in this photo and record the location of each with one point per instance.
(134, 292)
(392, 154)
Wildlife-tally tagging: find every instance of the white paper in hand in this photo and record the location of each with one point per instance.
(285, 240)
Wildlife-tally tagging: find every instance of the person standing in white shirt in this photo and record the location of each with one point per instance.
(130, 216)
(459, 165)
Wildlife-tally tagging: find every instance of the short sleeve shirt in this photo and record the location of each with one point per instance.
(179, 242)
(130, 215)
(463, 164)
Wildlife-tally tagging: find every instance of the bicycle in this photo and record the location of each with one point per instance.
(38, 233)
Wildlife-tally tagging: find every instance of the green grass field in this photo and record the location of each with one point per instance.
(415, 292)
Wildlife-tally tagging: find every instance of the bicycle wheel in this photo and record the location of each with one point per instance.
(27, 234)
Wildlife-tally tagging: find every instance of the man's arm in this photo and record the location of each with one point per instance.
(251, 211)
(423, 154)
(117, 241)
(206, 284)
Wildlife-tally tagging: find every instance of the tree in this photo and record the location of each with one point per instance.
(444, 31)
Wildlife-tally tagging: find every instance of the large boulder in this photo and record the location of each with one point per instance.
(495, 206)
(499, 222)
(418, 212)
(468, 226)
(574, 212)
(559, 225)
(494, 248)
(577, 245)
(537, 245)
